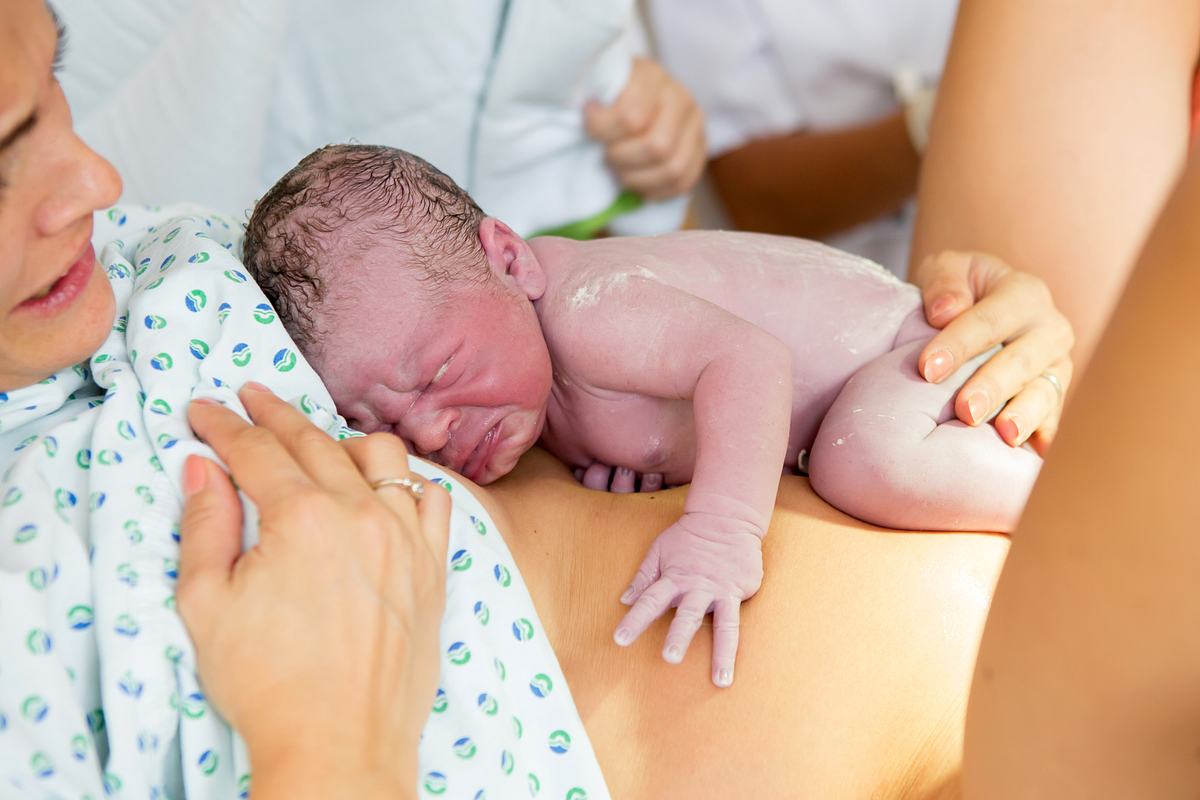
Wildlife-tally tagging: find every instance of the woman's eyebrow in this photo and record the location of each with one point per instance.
(60, 45)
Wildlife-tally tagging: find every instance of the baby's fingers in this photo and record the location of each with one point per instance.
(648, 572)
(688, 618)
(726, 621)
(649, 607)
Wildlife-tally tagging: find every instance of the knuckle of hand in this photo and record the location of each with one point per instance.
(631, 118)
(187, 597)
(380, 527)
(989, 322)
(1033, 289)
(384, 443)
(660, 146)
(1018, 364)
(312, 436)
(310, 503)
(249, 441)
(1066, 333)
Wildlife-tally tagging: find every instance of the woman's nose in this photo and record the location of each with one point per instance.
(84, 182)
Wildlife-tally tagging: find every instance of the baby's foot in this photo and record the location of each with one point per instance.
(597, 476)
(652, 482)
(624, 480)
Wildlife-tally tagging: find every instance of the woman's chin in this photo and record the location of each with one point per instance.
(33, 347)
(95, 316)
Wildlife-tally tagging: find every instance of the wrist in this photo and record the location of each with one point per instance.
(297, 772)
(731, 515)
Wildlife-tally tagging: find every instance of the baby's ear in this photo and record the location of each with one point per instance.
(511, 259)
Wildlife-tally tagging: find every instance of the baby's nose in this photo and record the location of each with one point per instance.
(432, 432)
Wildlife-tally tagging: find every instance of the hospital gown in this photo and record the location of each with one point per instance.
(98, 688)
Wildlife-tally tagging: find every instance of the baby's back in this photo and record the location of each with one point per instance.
(834, 311)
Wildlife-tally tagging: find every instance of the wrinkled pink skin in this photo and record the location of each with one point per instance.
(712, 358)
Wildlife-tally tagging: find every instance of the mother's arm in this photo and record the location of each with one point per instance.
(1059, 131)
(1087, 684)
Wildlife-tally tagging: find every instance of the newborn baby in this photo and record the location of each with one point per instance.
(705, 357)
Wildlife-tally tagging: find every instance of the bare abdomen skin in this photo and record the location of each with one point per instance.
(855, 656)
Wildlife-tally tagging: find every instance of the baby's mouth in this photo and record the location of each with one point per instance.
(478, 459)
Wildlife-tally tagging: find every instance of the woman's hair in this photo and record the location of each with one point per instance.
(343, 200)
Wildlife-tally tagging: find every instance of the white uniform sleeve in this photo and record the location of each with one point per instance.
(723, 52)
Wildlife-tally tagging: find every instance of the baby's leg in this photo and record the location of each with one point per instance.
(891, 452)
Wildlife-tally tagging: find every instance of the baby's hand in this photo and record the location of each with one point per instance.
(701, 563)
(618, 479)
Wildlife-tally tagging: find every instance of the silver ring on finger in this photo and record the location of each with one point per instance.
(1053, 380)
(415, 488)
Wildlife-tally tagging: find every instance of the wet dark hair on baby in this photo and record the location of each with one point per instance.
(343, 200)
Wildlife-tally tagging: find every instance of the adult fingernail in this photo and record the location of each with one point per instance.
(673, 653)
(623, 637)
(978, 406)
(724, 678)
(1010, 429)
(938, 366)
(941, 306)
(627, 598)
(255, 386)
(195, 475)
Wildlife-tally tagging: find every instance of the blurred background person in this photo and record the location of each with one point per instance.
(817, 111)
(545, 111)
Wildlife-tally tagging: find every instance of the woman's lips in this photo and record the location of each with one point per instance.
(68, 286)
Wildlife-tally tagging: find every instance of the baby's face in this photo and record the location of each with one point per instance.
(464, 383)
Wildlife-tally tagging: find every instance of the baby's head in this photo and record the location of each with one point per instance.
(413, 306)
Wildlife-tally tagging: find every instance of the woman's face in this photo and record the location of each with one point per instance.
(55, 303)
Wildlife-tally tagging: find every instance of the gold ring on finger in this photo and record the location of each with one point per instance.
(415, 489)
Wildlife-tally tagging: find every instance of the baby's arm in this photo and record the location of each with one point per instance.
(891, 452)
(655, 340)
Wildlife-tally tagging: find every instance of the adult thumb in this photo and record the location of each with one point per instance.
(210, 531)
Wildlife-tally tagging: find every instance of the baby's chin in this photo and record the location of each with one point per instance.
(503, 462)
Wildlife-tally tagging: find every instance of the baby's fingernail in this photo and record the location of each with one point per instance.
(255, 386)
(195, 475)
(627, 598)
(623, 637)
(673, 653)
(205, 401)
(978, 406)
(938, 366)
(941, 306)
(724, 678)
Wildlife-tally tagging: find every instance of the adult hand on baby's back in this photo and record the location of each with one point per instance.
(319, 644)
(980, 302)
(653, 133)
(697, 565)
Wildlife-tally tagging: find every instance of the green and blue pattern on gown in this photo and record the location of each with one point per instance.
(98, 689)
